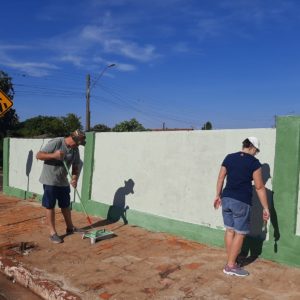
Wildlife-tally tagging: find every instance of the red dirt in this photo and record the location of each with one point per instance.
(136, 264)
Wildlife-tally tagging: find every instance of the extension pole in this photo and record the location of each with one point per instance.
(87, 216)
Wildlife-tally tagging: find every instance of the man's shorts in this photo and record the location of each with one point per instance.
(53, 193)
(236, 215)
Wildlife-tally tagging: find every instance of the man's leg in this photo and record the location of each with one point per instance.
(49, 201)
(50, 218)
(68, 218)
(64, 201)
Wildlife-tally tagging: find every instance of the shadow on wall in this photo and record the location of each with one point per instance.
(252, 246)
(119, 207)
(28, 169)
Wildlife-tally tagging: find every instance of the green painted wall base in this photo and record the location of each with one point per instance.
(198, 233)
(15, 192)
(191, 231)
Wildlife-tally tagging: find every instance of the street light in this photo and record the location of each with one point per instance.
(102, 72)
(88, 91)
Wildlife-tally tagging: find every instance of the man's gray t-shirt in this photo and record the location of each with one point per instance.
(54, 172)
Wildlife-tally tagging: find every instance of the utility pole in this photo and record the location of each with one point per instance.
(87, 110)
(88, 92)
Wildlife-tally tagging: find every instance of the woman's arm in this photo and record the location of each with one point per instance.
(220, 183)
(261, 192)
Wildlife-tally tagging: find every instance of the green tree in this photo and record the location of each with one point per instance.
(41, 125)
(207, 126)
(49, 126)
(10, 119)
(6, 85)
(71, 122)
(132, 125)
(100, 128)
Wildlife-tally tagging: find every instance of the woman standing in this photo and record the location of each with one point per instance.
(239, 169)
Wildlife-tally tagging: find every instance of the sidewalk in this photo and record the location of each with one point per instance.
(135, 264)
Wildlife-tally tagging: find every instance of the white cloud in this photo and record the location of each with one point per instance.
(238, 17)
(130, 50)
(74, 59)
(93, 41)
(125, 67)
(125, 34)
(111, 43)
(258, 12)
(32, 68)
(94, 33)
(36, 69)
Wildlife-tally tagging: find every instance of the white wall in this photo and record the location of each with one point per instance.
(175, 173)
(18, 164)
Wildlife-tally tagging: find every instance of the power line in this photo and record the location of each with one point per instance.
(115, 97)
(133, 105)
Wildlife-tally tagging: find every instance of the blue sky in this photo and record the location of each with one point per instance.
(234, 63)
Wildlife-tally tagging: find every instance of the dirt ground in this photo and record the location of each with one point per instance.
(134, 264)
(11, 291)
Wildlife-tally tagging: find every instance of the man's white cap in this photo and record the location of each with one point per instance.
(255, 142)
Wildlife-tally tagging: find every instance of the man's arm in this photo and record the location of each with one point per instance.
(75, 174)
(58, 155)
(75, 169)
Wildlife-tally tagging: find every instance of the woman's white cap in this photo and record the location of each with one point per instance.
(255, 142)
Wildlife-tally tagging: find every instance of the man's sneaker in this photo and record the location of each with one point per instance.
(74, 230)
(55, 239)
(236, 270)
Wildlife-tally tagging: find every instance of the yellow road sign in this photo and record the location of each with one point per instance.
(5, 104)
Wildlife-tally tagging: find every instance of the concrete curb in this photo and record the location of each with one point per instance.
(42, 287)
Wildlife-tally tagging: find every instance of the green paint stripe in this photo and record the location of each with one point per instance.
(190, 231)
(86, 189)
(286, 188)
(155, 223)
(6, 145)
(15, 192)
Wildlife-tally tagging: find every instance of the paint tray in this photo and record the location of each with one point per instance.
(97, 235)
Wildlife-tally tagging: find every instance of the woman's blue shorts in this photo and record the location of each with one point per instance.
(236, 215)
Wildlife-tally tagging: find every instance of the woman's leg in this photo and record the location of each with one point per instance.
(235, 248)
